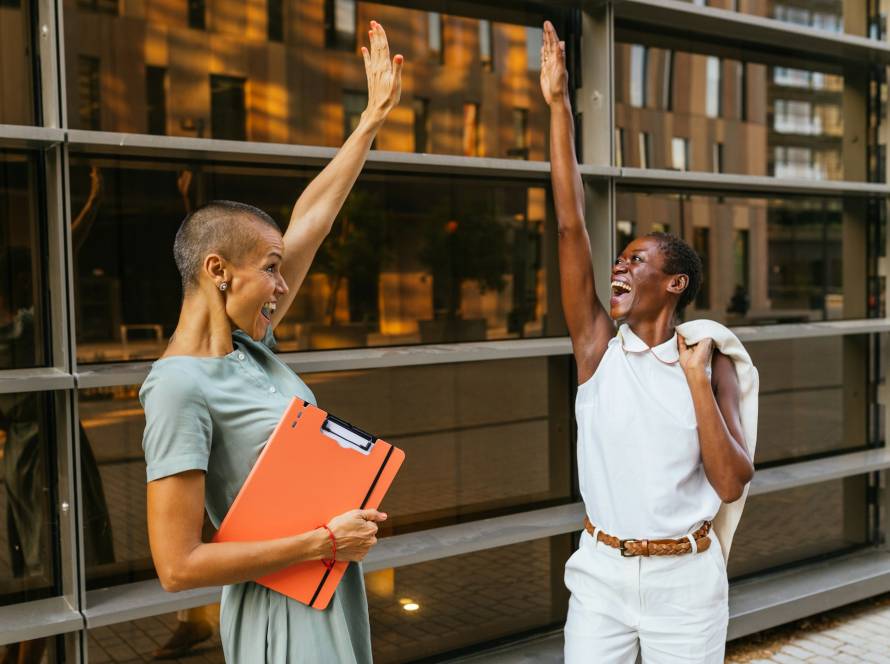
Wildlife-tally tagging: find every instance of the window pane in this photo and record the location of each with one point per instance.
(17, 83)
(803, 408)
(775, 260)
(467, 600)
(28, 549)
(410, 260)
(797, 524)
(22, 316)
(771, 119)
(149, 639)
(242, 81)
(483, 438)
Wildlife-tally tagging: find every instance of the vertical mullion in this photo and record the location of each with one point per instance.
(595, 102)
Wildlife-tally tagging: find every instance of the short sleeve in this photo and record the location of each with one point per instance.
(178, 428)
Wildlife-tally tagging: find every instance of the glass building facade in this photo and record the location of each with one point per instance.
(754, 129)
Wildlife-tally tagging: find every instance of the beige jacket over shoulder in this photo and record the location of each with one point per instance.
(726, 342)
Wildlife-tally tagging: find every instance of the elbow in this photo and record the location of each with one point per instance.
(732, 490)
(173, 580)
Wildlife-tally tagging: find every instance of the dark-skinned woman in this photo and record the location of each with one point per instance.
(666, 422)
(214, 397)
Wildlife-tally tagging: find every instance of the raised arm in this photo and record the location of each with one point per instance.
(318, 205)
(589, 324)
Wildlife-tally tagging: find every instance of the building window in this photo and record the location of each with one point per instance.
(740, 256)
(228, 110)
(103, 6)
(354, 104)
(471, 130)
(435, 37)
(701, 242)
(88, 86)
(796, 117)
(275, 20)
(619, 147)
(520, 134)
(638, 57)
(534, 39)
(156, 100)
(197, 14)
(645, 144)
(486, 42)
(741, 91)
(340, 22)
(717, 157)
(421, 109)
(712, 89)
(667, 82)
(680, 153)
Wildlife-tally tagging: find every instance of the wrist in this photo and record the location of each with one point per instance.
(696, 376)
(321, 544)
(561, 102)
(371, 120)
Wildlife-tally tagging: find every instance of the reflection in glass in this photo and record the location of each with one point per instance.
(484, 439)
(249, 79)
(16, 84)
(785, 254)
(802, 410)
(798, 524)
(410, 259)
(762, 120)
(187, 636)
(27, 551)
(22, 330)
(424, 610)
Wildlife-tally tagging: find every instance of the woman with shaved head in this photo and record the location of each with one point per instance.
(666, 428)
(216, 394)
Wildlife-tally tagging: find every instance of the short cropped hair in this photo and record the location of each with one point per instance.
(680, 258)
(226, 228)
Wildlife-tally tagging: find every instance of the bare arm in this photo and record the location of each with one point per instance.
(183, 561)
(589, 324)
(83, 222)
(723, 450)
(317, 207)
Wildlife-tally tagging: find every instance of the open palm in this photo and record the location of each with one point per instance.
(554, 77)
(384, 75)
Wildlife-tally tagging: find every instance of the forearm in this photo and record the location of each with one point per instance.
(726, 464)
(224, 563)
(320, 202)
(568, 190)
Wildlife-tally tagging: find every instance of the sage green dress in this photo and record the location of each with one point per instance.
(215, 414)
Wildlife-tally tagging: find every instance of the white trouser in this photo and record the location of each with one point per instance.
(668, 608)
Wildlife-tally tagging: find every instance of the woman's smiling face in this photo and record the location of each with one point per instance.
(256, 284)
(640, 287)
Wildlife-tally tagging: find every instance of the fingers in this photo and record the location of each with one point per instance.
(397, 63)
(681, 342)
(366, 56)
(372, 515)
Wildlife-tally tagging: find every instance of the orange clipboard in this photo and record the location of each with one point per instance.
(314, 467)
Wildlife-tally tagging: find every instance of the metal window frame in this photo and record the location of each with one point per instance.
(791, 594)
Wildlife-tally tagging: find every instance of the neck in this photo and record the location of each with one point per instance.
(203, 329)
(654, 331)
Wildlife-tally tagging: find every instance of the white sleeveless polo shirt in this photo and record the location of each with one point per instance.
(639, 460)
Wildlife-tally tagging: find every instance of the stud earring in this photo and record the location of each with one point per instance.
(223, 286)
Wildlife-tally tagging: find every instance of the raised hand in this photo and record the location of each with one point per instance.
(554, 77)
(384, 75)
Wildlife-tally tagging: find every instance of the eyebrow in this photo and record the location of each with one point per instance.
(275, 254)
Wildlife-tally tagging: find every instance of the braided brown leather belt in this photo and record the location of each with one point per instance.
(659, 547)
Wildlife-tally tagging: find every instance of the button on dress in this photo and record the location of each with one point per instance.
(215, 414)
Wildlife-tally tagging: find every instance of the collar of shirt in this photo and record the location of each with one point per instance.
(668, 352)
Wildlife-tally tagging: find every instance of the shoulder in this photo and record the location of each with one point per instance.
(174, 381)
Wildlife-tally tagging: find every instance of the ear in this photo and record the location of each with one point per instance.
(678, 283)
(216, 268)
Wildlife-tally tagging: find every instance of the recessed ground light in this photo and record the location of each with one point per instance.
(410, 606)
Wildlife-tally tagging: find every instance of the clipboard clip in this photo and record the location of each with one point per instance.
(346, 435)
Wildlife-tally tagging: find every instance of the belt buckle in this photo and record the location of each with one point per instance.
(622, 547)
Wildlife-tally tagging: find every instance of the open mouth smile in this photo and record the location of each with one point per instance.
(268, 310)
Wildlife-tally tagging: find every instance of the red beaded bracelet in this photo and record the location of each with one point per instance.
(329, 564)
